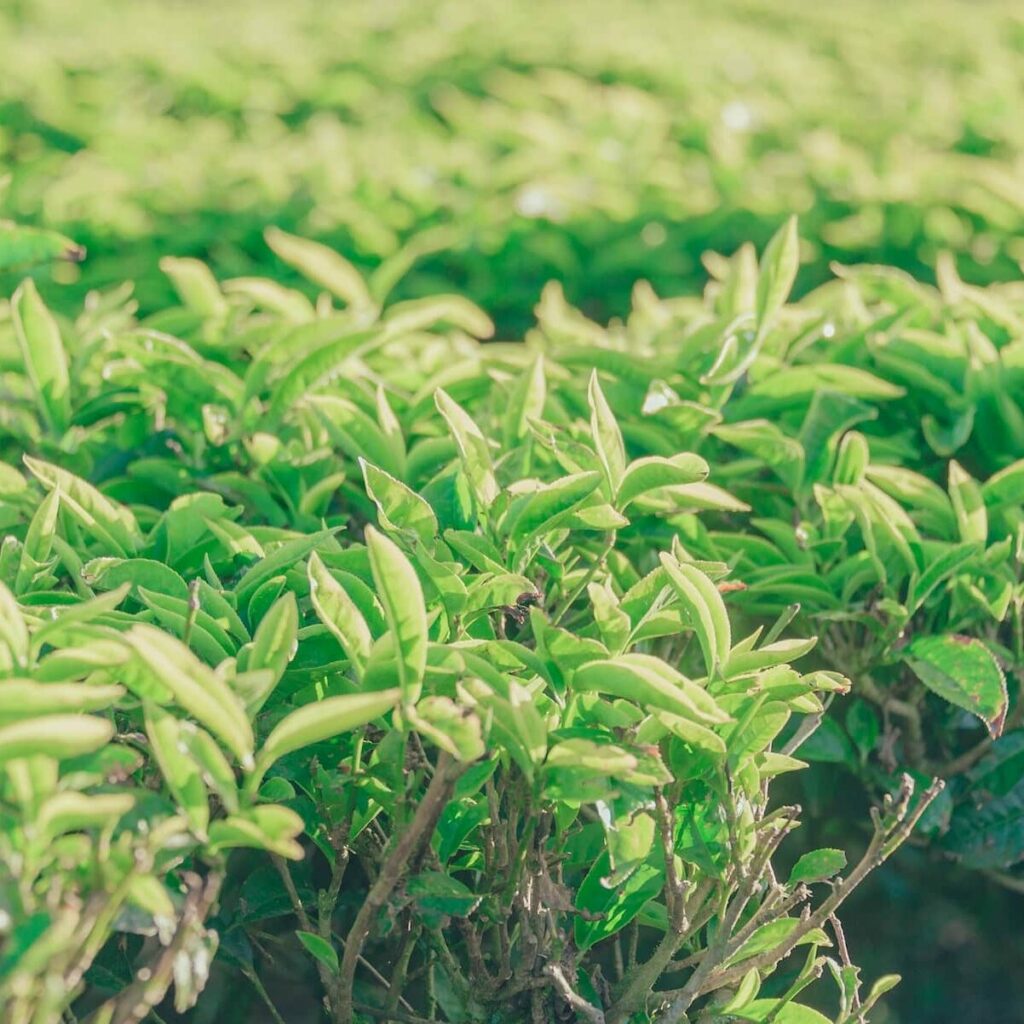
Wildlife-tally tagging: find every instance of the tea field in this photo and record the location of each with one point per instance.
(511, 513)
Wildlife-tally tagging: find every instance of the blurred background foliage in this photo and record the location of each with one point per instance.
(595, 142)
(512, 143)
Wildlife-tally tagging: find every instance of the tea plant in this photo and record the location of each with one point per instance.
(347, 585)
(871, 438)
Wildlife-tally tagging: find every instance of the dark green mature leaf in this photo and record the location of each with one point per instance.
(990, 833)
(611, 908)
(963, 671)
(437, 896)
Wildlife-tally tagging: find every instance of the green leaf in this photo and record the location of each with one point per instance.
(968, 505)
(339, 613)
(988, 833)
(526, 402)
(42, 351)
(76, 812)
(611, 908)
(38, 541)
(22, 698)
(817, 866)
(320, 949)
(104, 518)
(745, 992)
(769, 443)
(321, 265)
(399, 590)
(417, 314)
(58, 736)
(654, 471)
(651, 683)
(788, 1013)
(398, 508)
(963, 671)
(1005, 487)
(448, 726)
(316, 369)
(943, 567)
(283, 557)
(474, 450)
(772, 935)
(437, 896)
(319, 721)
(195, 687)
(273, 646)
(704, 609)
(546, 508)
(195, 285)
(22, 247)
(607, 437)
(139, 573)
(272, 828)
(14, 636)
(776, 273)
(181, 773)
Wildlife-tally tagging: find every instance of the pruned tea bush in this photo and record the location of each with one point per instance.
(459, 672)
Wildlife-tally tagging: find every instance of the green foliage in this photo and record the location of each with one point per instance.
(507, 694)
(446, 141)
(454, 676)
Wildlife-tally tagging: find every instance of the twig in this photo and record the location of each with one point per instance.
(1005, 879)
(261, 991)
(844, 952)
(805, 730)
(418, 831)
(885, 840)
(592, 1013)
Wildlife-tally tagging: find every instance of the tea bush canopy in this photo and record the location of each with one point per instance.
(469, 473)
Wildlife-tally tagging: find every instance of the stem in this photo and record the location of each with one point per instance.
(561, 984)
(148, 990)
(254, 980)
(887, 838)
(418, 831)
(588, 577)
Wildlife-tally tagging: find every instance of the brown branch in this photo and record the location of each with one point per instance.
(405, 848)
(887, 838)
(561, 984)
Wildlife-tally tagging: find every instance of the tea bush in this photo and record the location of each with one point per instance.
(337, 632)
(516, 143)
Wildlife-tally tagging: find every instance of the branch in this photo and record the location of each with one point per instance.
(886, 839)
(561, 984)
(418, 832)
